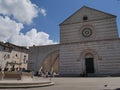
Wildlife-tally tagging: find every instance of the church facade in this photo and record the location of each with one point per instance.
(89, 44)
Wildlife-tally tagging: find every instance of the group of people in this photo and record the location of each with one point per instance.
(45, 74)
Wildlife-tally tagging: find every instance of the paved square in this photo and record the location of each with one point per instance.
(103, 83)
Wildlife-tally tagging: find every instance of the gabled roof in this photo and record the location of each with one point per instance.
(80, 11)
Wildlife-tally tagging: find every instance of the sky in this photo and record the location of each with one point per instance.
(36, 22)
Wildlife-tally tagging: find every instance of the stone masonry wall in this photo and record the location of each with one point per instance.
(108, 62)
(37, 55)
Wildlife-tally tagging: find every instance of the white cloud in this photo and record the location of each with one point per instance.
(22, 10)
(31, 38)
(8, 28)
(43, 11)
(11, 31)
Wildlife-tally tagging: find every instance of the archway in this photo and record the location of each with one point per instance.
(51, 62)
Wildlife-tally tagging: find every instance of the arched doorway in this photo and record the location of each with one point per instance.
(89, 63)
(91, 58)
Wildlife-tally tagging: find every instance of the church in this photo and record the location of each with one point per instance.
(89, 44)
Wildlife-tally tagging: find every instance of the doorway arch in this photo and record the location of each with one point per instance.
(92, 56)
(89, 63)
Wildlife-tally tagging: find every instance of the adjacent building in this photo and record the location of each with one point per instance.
(12, 57)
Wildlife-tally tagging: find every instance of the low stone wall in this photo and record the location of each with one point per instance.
(16, 75)
(12, 75)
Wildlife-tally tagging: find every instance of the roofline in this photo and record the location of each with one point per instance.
(9, 45)
(45, 45)
(86, 7)
(101, 11)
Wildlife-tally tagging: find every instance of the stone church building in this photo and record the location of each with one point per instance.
(89, 43)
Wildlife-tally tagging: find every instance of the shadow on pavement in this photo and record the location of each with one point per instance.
(117, 89)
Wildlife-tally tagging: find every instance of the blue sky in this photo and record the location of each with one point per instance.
(46, 24)
(59, 10)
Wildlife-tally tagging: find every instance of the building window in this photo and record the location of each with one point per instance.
(87, 32)
(85, 18)
(16, 55)
(4, 48)
(24, 59)
(8, 56)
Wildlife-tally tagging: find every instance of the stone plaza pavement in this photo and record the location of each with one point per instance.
(78, 83)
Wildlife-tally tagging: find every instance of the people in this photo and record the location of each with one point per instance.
(45, 74)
